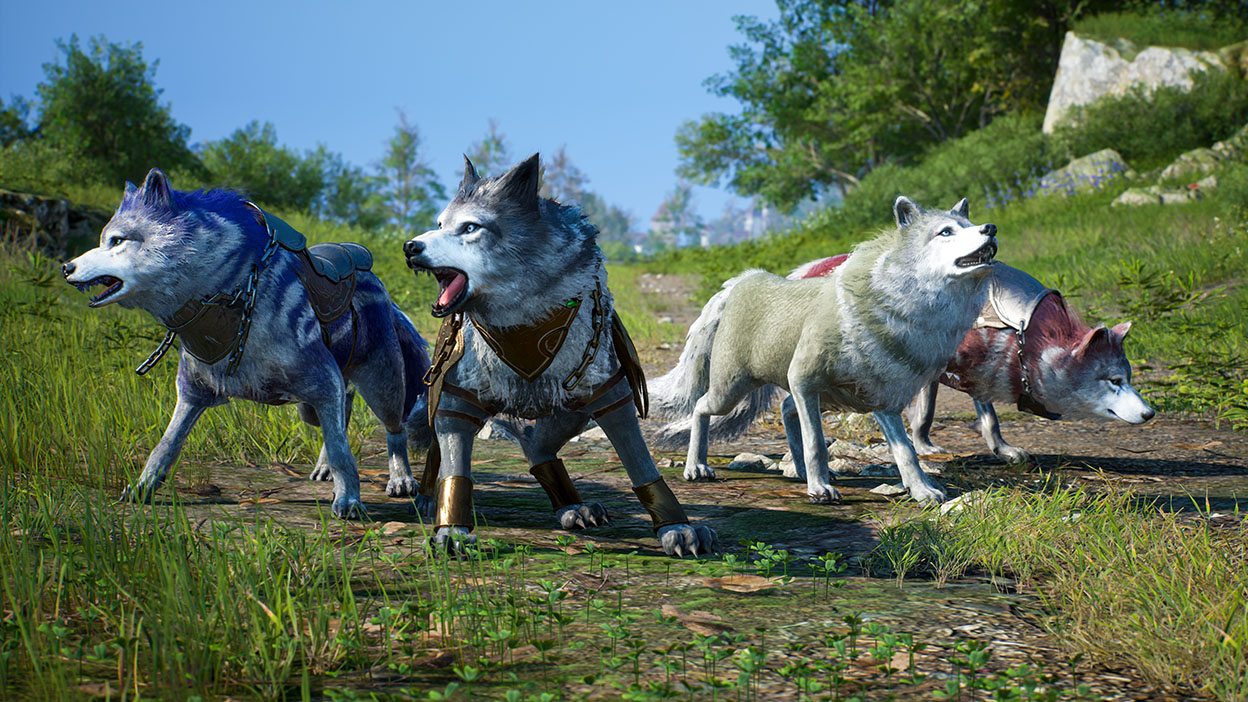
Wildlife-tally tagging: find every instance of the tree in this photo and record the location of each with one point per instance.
(14, 125)
(676, 224)
(410, 191)
(563, 181)
(102, 108)
(251, 161)
(350, 195)
(834, 88)
(491, 156)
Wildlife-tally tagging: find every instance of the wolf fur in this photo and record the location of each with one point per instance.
(163, 248)
(505, 257)
(864, 339)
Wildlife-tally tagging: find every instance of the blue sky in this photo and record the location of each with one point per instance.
(612, 81)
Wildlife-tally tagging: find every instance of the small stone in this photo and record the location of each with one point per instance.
(880, 470)
(592, 434)
(1175, 198)
(1133, 197)
(751, 461)
(664, 463)
(392, 528)
(493, 431)
(889, 490)
(664, 320)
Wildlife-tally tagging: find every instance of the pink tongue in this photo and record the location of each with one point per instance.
(452, 290)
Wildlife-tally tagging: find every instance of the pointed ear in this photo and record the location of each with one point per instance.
(520, 183)
(131, 189)
(962, 209)
(156, 190)
(1119, 332)
(470, 176)
(905, 211)
(1092, 337)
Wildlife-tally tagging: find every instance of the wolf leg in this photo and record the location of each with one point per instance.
(675, 534)
(376, 380)
(328, 395)
(921, 487)
(717, 400)
(309, 415)
(818, 485)
(793, 434)
(185, 413)
(990, 427)
(456, 424)
(541, 448)
(922, 412)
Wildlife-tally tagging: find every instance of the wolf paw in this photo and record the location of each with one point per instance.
(141, 494)
(682, 540)
(401, 486)
(925, 448)
(452, 540)
(699, 471)
(583, 516)
(348, 508)
(424, 506)
(1012, 454)
(321, 473)
(927, 493)
(823, 494)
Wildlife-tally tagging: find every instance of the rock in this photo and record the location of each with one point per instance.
(1088, 70)
(890, 490)
(880, 470)
(42, 221)
(752, 461)
(1205, 185)
(664, 463)
(664, 320)
(594, 433)
(1132, 197)
(493, 431)
(1233, 146)
(961, 502)
(1193, 163)
(1086, 173)
(1176, 197)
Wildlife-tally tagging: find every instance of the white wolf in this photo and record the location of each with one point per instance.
(863, 339)
(529, 331)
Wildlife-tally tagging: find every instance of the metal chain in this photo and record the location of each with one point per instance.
(455, 322)
(599, 317)
(1023, 364)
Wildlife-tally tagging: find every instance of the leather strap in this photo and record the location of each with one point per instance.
(661, 504)
(529, 350)
(553, 476)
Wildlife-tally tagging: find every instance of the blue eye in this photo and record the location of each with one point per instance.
(470, 228)
(945, 232)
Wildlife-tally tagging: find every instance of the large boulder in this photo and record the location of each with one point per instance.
(1196, 162)
(1233, 146)
(39, 221)
(1085, 174)
(1088, 70)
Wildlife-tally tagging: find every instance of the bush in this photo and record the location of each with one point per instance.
(1149, 129)
(1192, 30)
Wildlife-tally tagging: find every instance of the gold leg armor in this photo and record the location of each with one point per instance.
(454, 502)
(554, 479)
(659, 501)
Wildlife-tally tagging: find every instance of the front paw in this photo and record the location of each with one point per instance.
(401, 486)
(1012, 454)
(452, 540)
(424, 505)
(681, 540)
(321, 473)
(823, 494)
(924, 448)
(582, 516)
(928, 493)
(699, 471)
(345, 507)
(138, 494)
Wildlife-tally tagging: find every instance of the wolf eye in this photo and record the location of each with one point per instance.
(947, 231)
(1116, 382)
(114, 241)
(470, 228)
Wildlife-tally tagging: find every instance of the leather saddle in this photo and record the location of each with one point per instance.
(327, 271)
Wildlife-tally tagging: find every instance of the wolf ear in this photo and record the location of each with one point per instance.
(156, 190)
(1092, 337)
(470, 176)
(905, 211)
(1119, 332)
(962, 209)
(520, 183)
(131, 189)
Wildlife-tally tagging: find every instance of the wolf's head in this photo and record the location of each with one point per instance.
(1088, 376)
(163, 247)
(945, 244)
(498, 244)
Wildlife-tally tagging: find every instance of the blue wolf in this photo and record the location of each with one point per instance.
(262, 317)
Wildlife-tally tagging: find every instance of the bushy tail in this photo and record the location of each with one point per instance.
(674, 395)
(415, 395)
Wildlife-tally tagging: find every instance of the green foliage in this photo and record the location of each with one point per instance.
(252, 162)
(410, 191)
(14, 121)
(1151, 128)
(835, 88)
(491, 155)
(101, 109)
(1201, 25)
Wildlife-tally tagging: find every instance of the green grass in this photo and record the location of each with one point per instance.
(1189, 30)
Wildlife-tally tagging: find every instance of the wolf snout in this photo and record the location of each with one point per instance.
(988, 230)
(68, 269)
(414, 248)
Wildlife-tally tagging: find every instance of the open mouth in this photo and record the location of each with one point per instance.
(452, 290)
(978, 257)
(112, 287)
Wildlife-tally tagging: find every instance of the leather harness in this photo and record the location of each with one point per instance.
(216, 327)
(1011, 301)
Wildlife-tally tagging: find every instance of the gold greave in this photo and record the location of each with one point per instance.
(454, 502)
(659, 501)
(554, 479)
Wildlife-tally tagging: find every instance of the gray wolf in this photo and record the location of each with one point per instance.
(863, 339)
(262, 318)
(529, 332)
(1027, 349)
